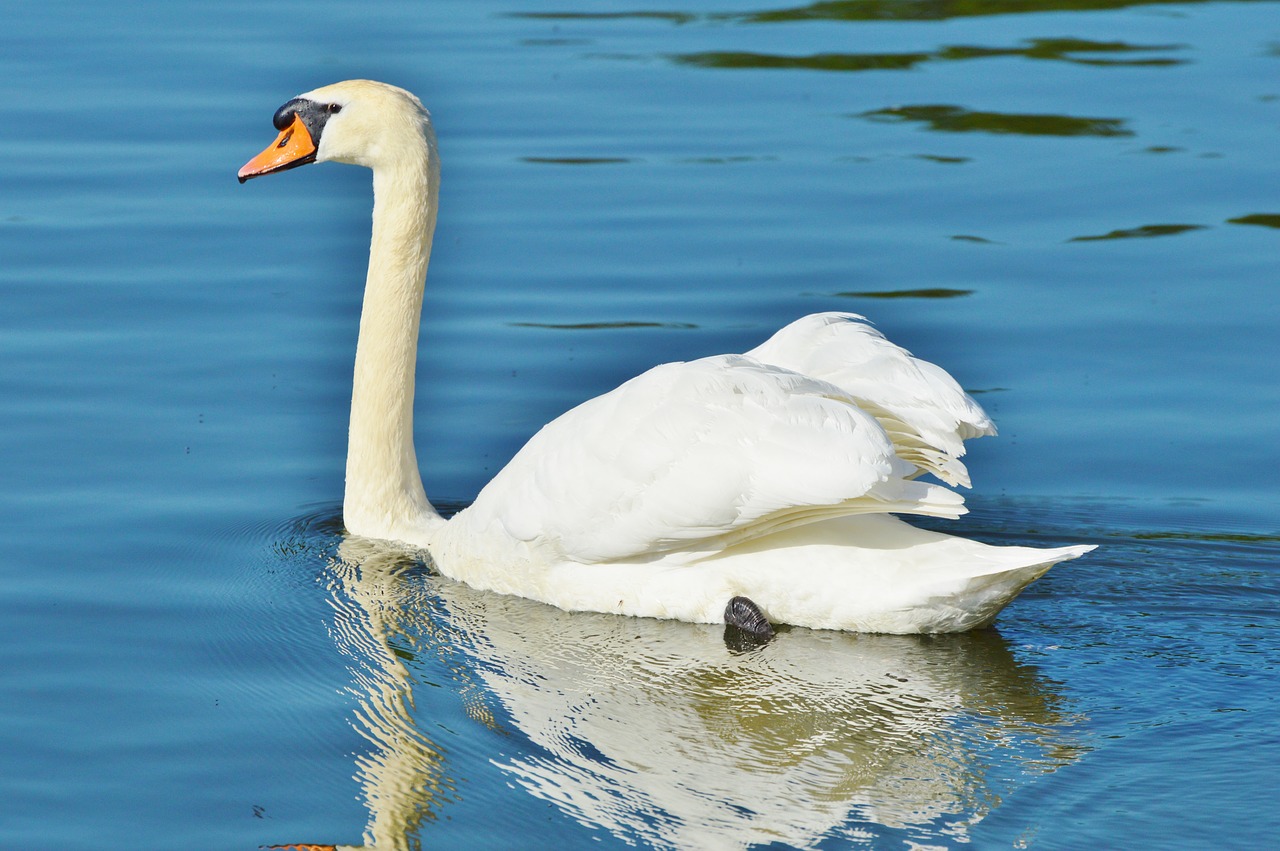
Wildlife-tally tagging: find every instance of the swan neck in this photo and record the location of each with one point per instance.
(384, 495)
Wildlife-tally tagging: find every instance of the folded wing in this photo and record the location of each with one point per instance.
(921, 407)
(697, 456)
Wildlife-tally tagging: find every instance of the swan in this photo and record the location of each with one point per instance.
(750, 489)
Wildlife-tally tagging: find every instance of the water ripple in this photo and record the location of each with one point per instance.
(577, 160)
(1266, 220)
(929, 292)
(955, 119)
(930, 10)
(836, 11)
(602, 326)
(1144, 232)
(1095, 53)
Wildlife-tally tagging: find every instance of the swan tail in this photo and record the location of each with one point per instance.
(977, 602)
(881, 574)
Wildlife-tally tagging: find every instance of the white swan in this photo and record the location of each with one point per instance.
(738, 488)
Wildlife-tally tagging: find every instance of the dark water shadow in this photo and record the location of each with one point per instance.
(601, 326)
(857, 10)
(945, 118)
(1073, 50)
(815, 62)
(931, 292)
(931, 10)
(1097, 53)
(669, 17)
(1144, 232)
(1266, 220)
(577, 160)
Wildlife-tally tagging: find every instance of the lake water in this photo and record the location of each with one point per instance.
(1072, 206)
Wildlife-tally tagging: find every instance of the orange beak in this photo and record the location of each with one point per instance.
(292, 148)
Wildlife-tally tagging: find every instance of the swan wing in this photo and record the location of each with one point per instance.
(697, 456)
(921, 407)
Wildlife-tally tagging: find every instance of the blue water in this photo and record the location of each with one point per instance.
(1071, 206)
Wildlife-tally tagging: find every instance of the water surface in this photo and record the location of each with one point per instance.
(1071, 206)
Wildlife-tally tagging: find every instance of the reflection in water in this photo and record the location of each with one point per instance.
(1267, 220)
(930, 292)
(576, 160)
(955, 119)
(671, 17)
(602, 326)
(933, 10)
(815, 62)
(402, 775)
(1143, 232)
(1100, 53)
(658, 733)
(864, 10)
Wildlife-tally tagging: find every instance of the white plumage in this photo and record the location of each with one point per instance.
(920, 406)
(694, 456)
(770, 475)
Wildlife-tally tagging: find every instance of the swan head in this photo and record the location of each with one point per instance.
(361, 122)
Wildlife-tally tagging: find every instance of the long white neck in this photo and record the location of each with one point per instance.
(384, 496)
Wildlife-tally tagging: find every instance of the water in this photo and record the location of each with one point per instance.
(1070, 206)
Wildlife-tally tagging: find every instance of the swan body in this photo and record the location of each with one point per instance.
(772, 475)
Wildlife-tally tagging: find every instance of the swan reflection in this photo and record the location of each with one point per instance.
(661, 734)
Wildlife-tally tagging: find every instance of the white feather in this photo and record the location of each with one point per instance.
(695, 456)
(922, 408)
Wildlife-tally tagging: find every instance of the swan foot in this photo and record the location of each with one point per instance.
(745, 626)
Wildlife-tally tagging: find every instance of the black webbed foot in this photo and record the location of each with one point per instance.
(745, 626)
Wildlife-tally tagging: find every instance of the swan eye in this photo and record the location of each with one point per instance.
(333, 108)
